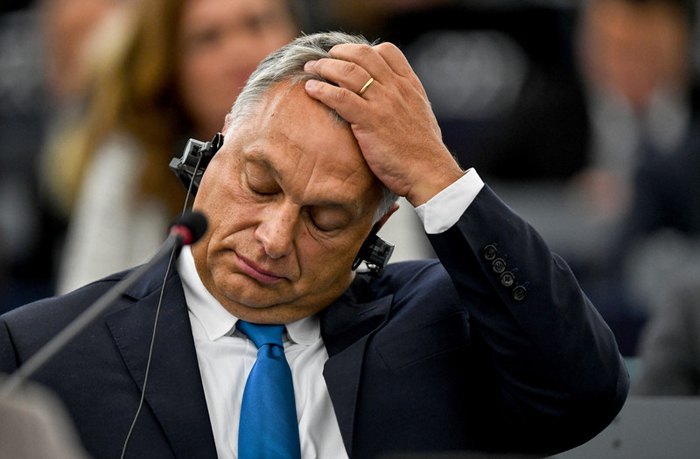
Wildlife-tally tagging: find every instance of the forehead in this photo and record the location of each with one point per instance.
(303, 142)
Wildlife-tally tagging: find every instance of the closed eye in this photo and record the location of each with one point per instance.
(263, 191)
(259, 180)
(327, 220)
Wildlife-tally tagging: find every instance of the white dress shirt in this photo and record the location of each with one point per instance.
(226, 356)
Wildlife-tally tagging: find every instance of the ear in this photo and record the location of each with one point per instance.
(386, 216)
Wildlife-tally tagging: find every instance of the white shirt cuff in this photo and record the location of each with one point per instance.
(444, 209)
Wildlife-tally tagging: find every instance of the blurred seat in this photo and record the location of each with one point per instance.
(647, 428)
(35, 425)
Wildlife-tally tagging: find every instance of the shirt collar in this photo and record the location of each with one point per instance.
(305, 331)
(216, 320)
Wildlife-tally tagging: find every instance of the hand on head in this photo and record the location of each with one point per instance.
(293, 192)
(392, 119)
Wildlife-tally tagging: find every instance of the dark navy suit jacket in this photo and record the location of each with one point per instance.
(493, 348)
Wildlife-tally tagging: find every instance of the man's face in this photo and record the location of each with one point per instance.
(289, 200)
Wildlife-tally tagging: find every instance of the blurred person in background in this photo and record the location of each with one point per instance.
(21, 115)
(644, 99)
(659, 239)
(164, 68)
(670, 345)
(638, 95)
(567, 160)
(67, 28)
(636, 59)
(41, 67)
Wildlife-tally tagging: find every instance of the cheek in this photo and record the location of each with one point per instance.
(326, 260)
(218, 202)
(231, 219)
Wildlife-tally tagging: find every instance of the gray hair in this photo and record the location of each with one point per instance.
(287, 65)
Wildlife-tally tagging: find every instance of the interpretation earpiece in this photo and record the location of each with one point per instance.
(195, 158)
(375, 252)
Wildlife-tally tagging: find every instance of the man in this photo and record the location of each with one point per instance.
(494, 348)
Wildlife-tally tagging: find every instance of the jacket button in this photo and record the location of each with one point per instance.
(507, 279)
(498, 265)
(490, 252)
(519, 293)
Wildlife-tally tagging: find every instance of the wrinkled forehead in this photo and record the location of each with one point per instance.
(253, 104)
(289, 127)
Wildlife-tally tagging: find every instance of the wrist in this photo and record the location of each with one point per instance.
(433, 182)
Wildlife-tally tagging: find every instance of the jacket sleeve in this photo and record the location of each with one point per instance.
(560, 376)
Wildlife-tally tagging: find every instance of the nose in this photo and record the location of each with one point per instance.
(278, 228)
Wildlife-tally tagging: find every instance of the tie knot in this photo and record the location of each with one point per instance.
(261, 334)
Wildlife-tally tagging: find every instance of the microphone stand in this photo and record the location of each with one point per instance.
(173, 242)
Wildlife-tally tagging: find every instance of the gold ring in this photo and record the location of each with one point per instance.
(367, 85)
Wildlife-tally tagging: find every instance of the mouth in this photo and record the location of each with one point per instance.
(256, 272)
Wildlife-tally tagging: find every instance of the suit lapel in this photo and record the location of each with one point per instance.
(347, 326)
(174, 391)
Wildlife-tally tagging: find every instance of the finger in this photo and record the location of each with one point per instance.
(345, 74)
(394, 58)
(344, 101)
(399, 64)
(365, 56)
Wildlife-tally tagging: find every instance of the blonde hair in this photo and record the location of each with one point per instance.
(131, 89)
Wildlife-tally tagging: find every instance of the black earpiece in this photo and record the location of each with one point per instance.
(375, 252)
(195, 158)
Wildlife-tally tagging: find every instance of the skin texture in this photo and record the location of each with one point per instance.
(292, 194)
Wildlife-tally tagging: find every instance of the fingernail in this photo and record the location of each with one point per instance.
(311, 84)
(309, 66)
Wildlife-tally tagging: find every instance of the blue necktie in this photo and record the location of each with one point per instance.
(268, 427)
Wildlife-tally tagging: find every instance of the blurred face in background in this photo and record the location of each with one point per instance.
(221, 42)
(633, 50)
(67, 26)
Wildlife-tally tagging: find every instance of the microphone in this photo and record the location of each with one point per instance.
(186, 230)
(189, 228)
